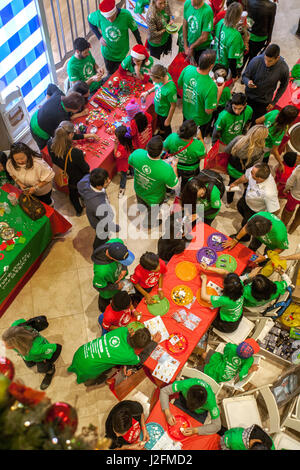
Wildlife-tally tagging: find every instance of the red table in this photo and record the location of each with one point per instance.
(195, 442)
(59, 225)
(241, 254)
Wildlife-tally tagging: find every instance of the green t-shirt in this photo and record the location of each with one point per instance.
(230, 310)
(164, 96)
(226, 96)
(228, 44)
(108, 274)
(101, 354)
(210, 405)
(82, 69)
(199, 20)
(190, 157)
(274, 138)
(231, 125)
(129, 66)
(224, 367)
(199, 93)
(250, 301)
(213, 203)
(40, 350)
(165, 18)
(151, 176)
(115, 34)
(233, 439)
(277, 237)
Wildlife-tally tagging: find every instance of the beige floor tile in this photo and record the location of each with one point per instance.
(89, 295)
(61, 260)
(21, 307)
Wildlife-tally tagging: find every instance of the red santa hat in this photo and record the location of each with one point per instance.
(108, 8)
(139, 52)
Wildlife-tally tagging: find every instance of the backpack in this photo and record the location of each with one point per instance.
(212, 178)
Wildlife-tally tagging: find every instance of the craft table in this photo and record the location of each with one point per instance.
(18, 264)
(242, 255)
(195, 442)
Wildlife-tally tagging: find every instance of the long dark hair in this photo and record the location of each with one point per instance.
(262, 288)
(285, 117)
(233, 288)
(141, 121)
(19, 147)
(124, 137)
(189, 193)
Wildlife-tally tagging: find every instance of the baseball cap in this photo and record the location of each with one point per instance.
(120, 252)
(247, 348)
(81, 44)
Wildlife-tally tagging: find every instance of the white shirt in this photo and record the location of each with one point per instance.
(261, 196)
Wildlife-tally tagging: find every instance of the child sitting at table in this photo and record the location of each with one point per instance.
(230, 302)
(281, 177)
(235, 360)
(148, 274)
(195, 398)
(140, 126)
(120, 312)
(122, 150)
(260, 290)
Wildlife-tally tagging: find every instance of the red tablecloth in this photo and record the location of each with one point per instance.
(240, 253)
(194, 442)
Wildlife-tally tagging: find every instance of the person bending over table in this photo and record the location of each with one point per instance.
(148, 274)
(173, 241)
(120, 312)
(265, 228)
(93, 360)
(260, 290)
(195, 398)
(30, 172)
(137, 64)
(252, 438)
(230, 302)
(124, 425)
(111, 25)
(82, 66)
(165, 98)
(236, 360)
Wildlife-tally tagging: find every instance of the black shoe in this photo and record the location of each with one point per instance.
(30, 363)
(47, 379)
(79, 213)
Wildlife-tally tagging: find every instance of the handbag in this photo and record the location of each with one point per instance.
(39, 323)
(61, 178)
(215, 160)
(31, 206)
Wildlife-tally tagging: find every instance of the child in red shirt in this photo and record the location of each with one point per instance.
(122, 150)
(148, 274)
(119, 312)
(140, 125)
(289, 162)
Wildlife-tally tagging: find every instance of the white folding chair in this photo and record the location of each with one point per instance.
(242, 411)
(190, 373)
(292, 419)
(283, 441)
(239, 335)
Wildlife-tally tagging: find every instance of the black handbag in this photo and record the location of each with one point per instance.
(39, 323)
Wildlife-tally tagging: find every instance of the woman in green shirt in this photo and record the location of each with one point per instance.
(165, 98)
(158, 17)
(230, 302)
(33, 348)
(262, 290)
(137, 64)
(278, 123)
(188, 148)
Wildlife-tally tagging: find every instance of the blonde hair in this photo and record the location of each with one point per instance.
(255, 138)
(20, 338)
(61, 141)
(233, 14)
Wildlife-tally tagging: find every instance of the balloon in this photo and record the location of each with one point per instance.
(63, 415)
(7, 368)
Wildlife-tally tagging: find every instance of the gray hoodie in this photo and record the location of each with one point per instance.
(97, 206)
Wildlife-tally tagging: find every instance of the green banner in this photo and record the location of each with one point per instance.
(30, 240)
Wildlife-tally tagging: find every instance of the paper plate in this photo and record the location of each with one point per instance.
(186, 271)
(155, 432)
(172, 28)
(182, 295)
(210, 291)
(207, 255)
(135, 325)
(215, 241)
(174, 431)
(180, 346)
(227, 262)
(160, 308)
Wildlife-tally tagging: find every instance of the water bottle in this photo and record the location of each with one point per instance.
(295, 357)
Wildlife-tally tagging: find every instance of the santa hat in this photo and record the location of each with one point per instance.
(247, 348)
(139, 52)
(108, 8)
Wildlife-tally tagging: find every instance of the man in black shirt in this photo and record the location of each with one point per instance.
(262, 13)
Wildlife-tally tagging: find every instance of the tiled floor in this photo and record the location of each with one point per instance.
(62, 286)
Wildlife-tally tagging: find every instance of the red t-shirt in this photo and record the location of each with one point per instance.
(147, 279)
(281, 179)
(122, 156)
(141, 139)
(113, 318)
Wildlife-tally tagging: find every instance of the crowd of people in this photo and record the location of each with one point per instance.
(247, 126)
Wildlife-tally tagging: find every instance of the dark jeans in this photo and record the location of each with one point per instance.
(226, 326)
(244, 210)
(255, 48)
(164, 130)
(46, 198)
(111, 67)
(204, 128)
(259, 109)
(74, 198)
(157, 51)
(47, 366)
(197, 54)
(230, 195)
(123, 179)
(186, 175)
(150, 210)
(41, 143)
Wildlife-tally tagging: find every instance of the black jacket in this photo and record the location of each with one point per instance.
(262, 12)
(76, 169)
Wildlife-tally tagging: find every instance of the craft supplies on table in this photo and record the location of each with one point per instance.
(166, 368)
(207, 255)
(160, 307)
(156, 325)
